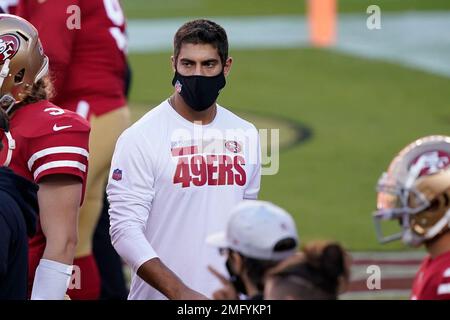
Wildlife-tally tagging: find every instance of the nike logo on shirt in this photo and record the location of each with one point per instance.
(56, 128)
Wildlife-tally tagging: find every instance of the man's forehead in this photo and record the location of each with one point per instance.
(198, 52)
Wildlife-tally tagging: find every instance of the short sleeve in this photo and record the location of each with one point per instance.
(59, 153)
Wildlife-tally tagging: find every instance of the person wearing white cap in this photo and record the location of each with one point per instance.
(258, 235)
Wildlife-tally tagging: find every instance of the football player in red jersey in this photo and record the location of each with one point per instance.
(89, 68)
(415, 191)
(47, 145)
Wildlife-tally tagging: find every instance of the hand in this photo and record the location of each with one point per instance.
(228, 292)
(160, 277)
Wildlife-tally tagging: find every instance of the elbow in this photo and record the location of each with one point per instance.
(70, 243)
(118, 235)
(113, 234)
(120, 229)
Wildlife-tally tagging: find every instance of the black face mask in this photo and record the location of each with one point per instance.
(199, 92)
(235, 279)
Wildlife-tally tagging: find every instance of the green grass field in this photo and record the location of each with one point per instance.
(361, 112)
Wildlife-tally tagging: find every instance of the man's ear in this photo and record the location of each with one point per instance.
(173, 63)
(227, 67)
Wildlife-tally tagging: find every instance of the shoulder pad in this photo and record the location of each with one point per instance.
(49, 119)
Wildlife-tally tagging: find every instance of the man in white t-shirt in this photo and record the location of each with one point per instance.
(178, 171)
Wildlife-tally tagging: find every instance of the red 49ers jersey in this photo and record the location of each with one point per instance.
(45, 139)
(432, 281)
(85, 41)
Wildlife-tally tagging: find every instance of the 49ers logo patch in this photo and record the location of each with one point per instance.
(9, 45)
(233, 146)
(430, 162)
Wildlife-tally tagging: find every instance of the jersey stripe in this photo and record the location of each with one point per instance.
(444, 288)
(59, 164)
(447, 273)
(56, 150)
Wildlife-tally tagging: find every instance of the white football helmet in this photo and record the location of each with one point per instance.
(415, 191)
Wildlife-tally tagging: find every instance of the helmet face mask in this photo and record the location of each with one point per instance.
(414, 193)
(22, 59)
(394, 204)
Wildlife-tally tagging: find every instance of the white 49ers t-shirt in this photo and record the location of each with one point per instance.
(172, 183)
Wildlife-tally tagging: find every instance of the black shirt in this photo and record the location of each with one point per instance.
(18, 209)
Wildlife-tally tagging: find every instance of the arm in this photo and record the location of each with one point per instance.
(156, 274)
(127, 236)
(59, 201)
(130, 193)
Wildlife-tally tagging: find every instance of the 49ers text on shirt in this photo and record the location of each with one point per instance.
(195, 167)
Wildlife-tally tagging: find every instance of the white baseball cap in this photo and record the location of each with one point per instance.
(254, 229)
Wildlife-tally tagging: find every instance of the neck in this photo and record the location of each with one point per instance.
(439, 245)
(205, 116)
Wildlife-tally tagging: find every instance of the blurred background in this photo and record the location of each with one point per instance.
(344, 108)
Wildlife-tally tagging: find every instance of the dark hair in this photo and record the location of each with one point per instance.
(315, 274)
(202, 31)
(324, 265)
(256, 268)
(41, 90)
